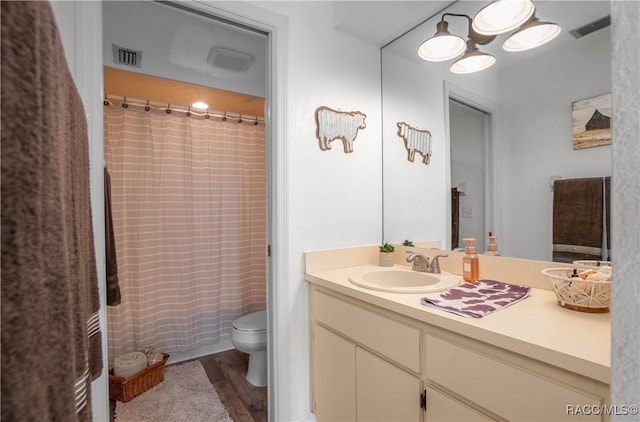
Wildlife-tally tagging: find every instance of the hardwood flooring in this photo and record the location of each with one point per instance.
(226, 371)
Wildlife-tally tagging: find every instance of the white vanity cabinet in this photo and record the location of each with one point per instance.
(372, 364)
(357, 373)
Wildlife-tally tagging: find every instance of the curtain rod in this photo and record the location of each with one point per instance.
(186, 109)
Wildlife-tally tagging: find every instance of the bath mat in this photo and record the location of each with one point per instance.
(477, 299)
(185, 395)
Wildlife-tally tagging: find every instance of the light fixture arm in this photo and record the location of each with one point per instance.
(473, 35)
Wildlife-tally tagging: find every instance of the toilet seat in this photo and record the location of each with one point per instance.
(255, 322)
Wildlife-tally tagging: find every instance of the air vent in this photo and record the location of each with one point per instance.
(126, 57)
(591, 27)
(226, 59)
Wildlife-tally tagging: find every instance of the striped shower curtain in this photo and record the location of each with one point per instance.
(188, 202)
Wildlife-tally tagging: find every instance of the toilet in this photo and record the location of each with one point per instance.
(249, 335)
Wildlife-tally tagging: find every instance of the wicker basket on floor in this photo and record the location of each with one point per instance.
(578, 294)
(127, 389)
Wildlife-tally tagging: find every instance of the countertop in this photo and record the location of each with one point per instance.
(536, 327)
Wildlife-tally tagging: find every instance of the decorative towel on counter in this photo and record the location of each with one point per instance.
(477, 299)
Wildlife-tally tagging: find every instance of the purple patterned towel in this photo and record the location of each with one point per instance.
(477, 299)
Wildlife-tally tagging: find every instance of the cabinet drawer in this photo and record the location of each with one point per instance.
(506, 390)
(386, 336)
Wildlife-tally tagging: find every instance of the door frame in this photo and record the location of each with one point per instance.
(491, 148)
(83, 47)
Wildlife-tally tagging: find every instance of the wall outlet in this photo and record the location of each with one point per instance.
(467, 212)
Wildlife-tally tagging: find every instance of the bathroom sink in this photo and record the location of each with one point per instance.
(401, 280)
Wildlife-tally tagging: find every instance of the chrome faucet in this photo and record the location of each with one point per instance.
(421, 263)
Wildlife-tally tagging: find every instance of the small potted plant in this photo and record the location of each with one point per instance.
(386, 255)
(405, 247)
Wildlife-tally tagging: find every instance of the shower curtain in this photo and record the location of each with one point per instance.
(188, 202)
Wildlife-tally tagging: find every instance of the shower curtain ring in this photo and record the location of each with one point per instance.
(168, 108)
(206, 116)
(124, 103)
(147, 108)
(189, 112)
(256, 122)
(105, 101)
(224, 117)
(240, 118)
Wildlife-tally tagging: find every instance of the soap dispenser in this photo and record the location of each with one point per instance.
(470, 262)
(492, 247)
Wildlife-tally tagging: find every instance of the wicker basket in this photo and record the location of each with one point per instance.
(578, 294)
(127, 389)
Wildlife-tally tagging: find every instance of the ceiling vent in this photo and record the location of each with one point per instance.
(592, 27)
(126, 57)
(232, 60)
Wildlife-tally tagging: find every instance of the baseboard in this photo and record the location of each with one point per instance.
(307, 417)
(207, 349)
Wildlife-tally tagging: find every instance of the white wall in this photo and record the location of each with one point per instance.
(335, 198)
(625, 360)
(536, 137)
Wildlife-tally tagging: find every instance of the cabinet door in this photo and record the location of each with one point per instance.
(442, 408)
(334, 376)
(385, 392)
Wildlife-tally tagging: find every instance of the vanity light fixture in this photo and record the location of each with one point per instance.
(473, 60)
(531, 34)
(496, 18)
(443, 45)
(502, 16)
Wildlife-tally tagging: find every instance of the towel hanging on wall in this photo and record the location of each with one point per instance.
(580, 210)
(51, 342)
(113, 287)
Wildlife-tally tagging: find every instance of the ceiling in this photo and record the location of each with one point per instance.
(568, 14)
(175, 45)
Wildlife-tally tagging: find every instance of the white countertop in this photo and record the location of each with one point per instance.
(536, 327)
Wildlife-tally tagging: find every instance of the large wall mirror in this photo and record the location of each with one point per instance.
(499, 136)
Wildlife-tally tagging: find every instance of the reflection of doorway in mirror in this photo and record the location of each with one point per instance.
(469, 146)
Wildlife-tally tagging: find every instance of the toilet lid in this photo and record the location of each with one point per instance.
(256, 321)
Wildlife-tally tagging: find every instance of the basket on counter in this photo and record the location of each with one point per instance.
(127, 389)
(579, 294)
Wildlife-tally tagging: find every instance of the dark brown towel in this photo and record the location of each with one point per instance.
(578, 219)
(113, 287)
(50, 324)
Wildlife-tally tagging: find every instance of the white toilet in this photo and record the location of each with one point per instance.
(249, 335)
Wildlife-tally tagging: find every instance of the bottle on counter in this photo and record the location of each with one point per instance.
(470, 262)
(492, 247)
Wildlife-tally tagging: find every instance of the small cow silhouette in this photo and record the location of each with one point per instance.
(415, 140)
(333, 124)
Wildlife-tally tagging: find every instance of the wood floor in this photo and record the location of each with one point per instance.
(226, 371)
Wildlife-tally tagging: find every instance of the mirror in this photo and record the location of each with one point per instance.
(525, 104)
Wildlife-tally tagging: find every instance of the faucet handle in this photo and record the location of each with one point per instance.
(435, 264)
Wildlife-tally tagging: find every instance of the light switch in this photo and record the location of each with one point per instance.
(467, 212)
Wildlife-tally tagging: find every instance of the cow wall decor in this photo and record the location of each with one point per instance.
(415, 140)
(334, 124)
